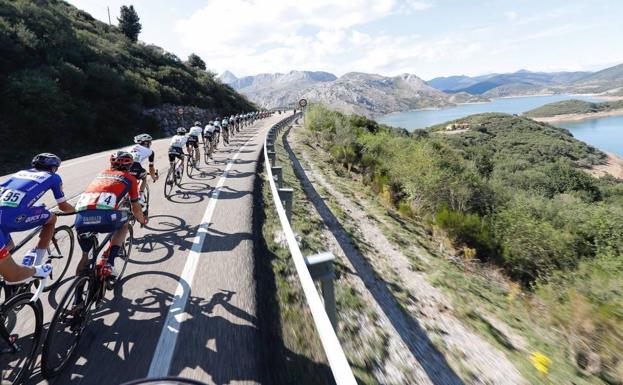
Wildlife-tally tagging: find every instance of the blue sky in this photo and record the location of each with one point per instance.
(426, 37)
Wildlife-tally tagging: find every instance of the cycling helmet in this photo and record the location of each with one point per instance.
(46, 162)
(142, 138)
(181, 131)
(121, 160)
(217, 123)
(197, 123)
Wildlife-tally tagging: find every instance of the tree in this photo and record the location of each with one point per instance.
(196, 61)
(129, 22)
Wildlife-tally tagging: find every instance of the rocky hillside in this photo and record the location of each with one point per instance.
(354, 92)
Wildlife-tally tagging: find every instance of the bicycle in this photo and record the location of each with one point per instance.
(60, 252)
(173, 178)
(19, 345)
(74, 311)
(190, 162)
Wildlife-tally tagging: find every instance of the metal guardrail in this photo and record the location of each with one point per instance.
(340, 368)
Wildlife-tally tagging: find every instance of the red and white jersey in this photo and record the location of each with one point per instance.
(108, 190)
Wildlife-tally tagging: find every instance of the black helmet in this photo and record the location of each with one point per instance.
(46, 162)
(121, 160)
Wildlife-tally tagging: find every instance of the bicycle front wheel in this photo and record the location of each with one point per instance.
(67, 326)
(60, 252)
(169, 182)
(124, 255)
(21, 325)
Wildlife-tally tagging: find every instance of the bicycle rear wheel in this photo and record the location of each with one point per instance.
(21, 325)
(60, 252)
(190, 164)
(206, 151)
(67, 326)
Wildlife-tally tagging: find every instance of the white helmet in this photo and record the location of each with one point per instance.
(142, 138)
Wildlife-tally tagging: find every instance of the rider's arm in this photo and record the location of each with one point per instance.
(59, 195)
(137, 210)
(152, 169)
(12, 272)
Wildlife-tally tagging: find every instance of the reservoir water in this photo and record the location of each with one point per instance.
(603, 133)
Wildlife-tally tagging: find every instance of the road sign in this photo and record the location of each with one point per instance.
(302, 102)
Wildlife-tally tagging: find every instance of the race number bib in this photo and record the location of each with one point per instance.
(104, 200)
(11, 198)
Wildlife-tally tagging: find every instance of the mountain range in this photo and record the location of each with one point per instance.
(372, 94)
(354, 92)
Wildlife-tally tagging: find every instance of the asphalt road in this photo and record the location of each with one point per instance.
(195, 254)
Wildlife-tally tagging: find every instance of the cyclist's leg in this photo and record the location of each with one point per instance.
(197, 154)
(11, 271)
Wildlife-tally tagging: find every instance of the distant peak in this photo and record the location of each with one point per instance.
(227, 77)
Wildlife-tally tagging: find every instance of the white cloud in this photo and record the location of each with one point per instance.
(277, 35)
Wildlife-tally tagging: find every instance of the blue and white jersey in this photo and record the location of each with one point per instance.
(25, 188)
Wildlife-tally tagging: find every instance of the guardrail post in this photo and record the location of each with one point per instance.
(286, 194)
(272, 156)
(320, 268)
(270, 146)
(278, 174)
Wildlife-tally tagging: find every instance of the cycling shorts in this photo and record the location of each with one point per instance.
(208, 136)
(100, 221)
(137, 171)
(193, 140)
(175, 153)
(13, 220)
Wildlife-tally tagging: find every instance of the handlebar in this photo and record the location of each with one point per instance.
(62, 214)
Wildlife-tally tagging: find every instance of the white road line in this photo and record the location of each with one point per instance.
(161, 362)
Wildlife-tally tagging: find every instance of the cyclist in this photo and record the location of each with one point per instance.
(225, 126)
(209, 134)
(176, 149)
(18, 212)
(98, 210)
(141, 151)
(193, 139)
(217, 132)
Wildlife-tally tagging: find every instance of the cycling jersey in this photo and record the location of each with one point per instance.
(25, 188)
(178, 141)
(143, 153)
(195, 131)
(108, 190)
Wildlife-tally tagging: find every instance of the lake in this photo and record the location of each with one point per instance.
(603, 133)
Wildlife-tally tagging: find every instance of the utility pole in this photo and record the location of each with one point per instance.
(108, 9)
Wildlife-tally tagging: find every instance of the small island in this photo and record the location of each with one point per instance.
(575, 110)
